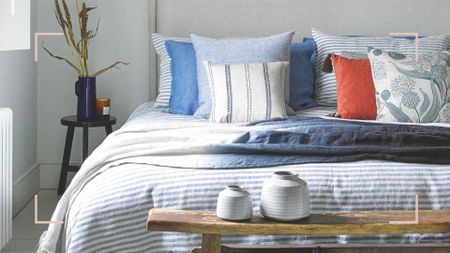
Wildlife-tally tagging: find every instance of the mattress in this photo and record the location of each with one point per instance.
(109, 214)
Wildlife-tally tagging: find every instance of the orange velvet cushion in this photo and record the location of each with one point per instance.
(355, 88)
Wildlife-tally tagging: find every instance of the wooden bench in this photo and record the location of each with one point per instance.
(326, 224)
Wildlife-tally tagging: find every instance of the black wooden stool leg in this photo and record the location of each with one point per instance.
(85, 142)
(66, 160)
(108, 129)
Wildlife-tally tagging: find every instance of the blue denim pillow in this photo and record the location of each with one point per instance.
(302, 75)
(184, 87)
(313, 56)
(235, 51)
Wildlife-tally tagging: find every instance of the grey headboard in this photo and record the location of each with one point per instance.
(221, 18)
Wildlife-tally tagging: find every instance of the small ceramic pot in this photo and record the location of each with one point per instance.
(234, 203)
(285, 197)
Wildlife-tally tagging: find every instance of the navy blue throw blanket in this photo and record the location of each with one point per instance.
(299, 140)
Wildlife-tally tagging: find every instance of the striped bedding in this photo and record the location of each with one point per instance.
(109, 213)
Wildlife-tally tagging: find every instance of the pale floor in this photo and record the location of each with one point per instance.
(25, 233)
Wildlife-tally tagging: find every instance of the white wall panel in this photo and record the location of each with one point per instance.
(15, 19)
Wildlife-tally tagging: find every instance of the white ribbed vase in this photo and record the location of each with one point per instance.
(234, 203)
(285, 197)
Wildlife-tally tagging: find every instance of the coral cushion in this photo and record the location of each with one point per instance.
(355, 88)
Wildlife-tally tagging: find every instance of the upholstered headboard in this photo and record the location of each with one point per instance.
(221, 18)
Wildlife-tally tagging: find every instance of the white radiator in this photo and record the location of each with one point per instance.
(5, 176)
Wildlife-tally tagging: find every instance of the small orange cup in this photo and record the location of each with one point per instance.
(103, 106)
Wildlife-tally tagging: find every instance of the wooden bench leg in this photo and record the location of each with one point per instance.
(210, 244)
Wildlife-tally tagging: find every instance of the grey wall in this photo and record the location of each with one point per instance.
(123, 35)
(18, 91)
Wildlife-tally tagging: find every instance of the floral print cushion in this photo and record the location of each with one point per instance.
(411, 91)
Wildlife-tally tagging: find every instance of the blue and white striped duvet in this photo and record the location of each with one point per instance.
(109, 214)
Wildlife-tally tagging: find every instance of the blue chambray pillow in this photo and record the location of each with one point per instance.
(165, 75)
(184, 86)
(236, 51)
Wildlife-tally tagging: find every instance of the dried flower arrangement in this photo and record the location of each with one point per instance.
(80, 49)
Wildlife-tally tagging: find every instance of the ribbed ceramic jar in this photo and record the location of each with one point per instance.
(234, 203)
(285, 197)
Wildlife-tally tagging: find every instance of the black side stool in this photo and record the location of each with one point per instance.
(71, 122)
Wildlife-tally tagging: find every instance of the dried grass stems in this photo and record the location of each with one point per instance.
(79, 49)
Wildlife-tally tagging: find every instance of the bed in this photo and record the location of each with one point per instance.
(107, 206)
(107, 212)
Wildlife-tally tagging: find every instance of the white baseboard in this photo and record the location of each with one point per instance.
(25, 187)
(43, 175)
(49, 174)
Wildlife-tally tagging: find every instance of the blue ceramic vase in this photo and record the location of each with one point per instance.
(85, 89)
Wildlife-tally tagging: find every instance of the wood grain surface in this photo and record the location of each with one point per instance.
(323, 224)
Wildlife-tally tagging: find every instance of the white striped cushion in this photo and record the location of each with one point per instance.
(165, 74)
(325, 84)
(246, 92)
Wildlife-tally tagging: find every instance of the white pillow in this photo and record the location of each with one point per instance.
(246, 92)
(411, 91)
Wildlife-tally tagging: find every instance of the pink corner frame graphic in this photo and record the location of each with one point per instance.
(36, 39)
(416, 215)
(36, 211)
(416, 35)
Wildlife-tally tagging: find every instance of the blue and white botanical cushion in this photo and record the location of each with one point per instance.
(332, 44)
(411, 91)
(165, 74)
(246, 92)
(236, 51)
